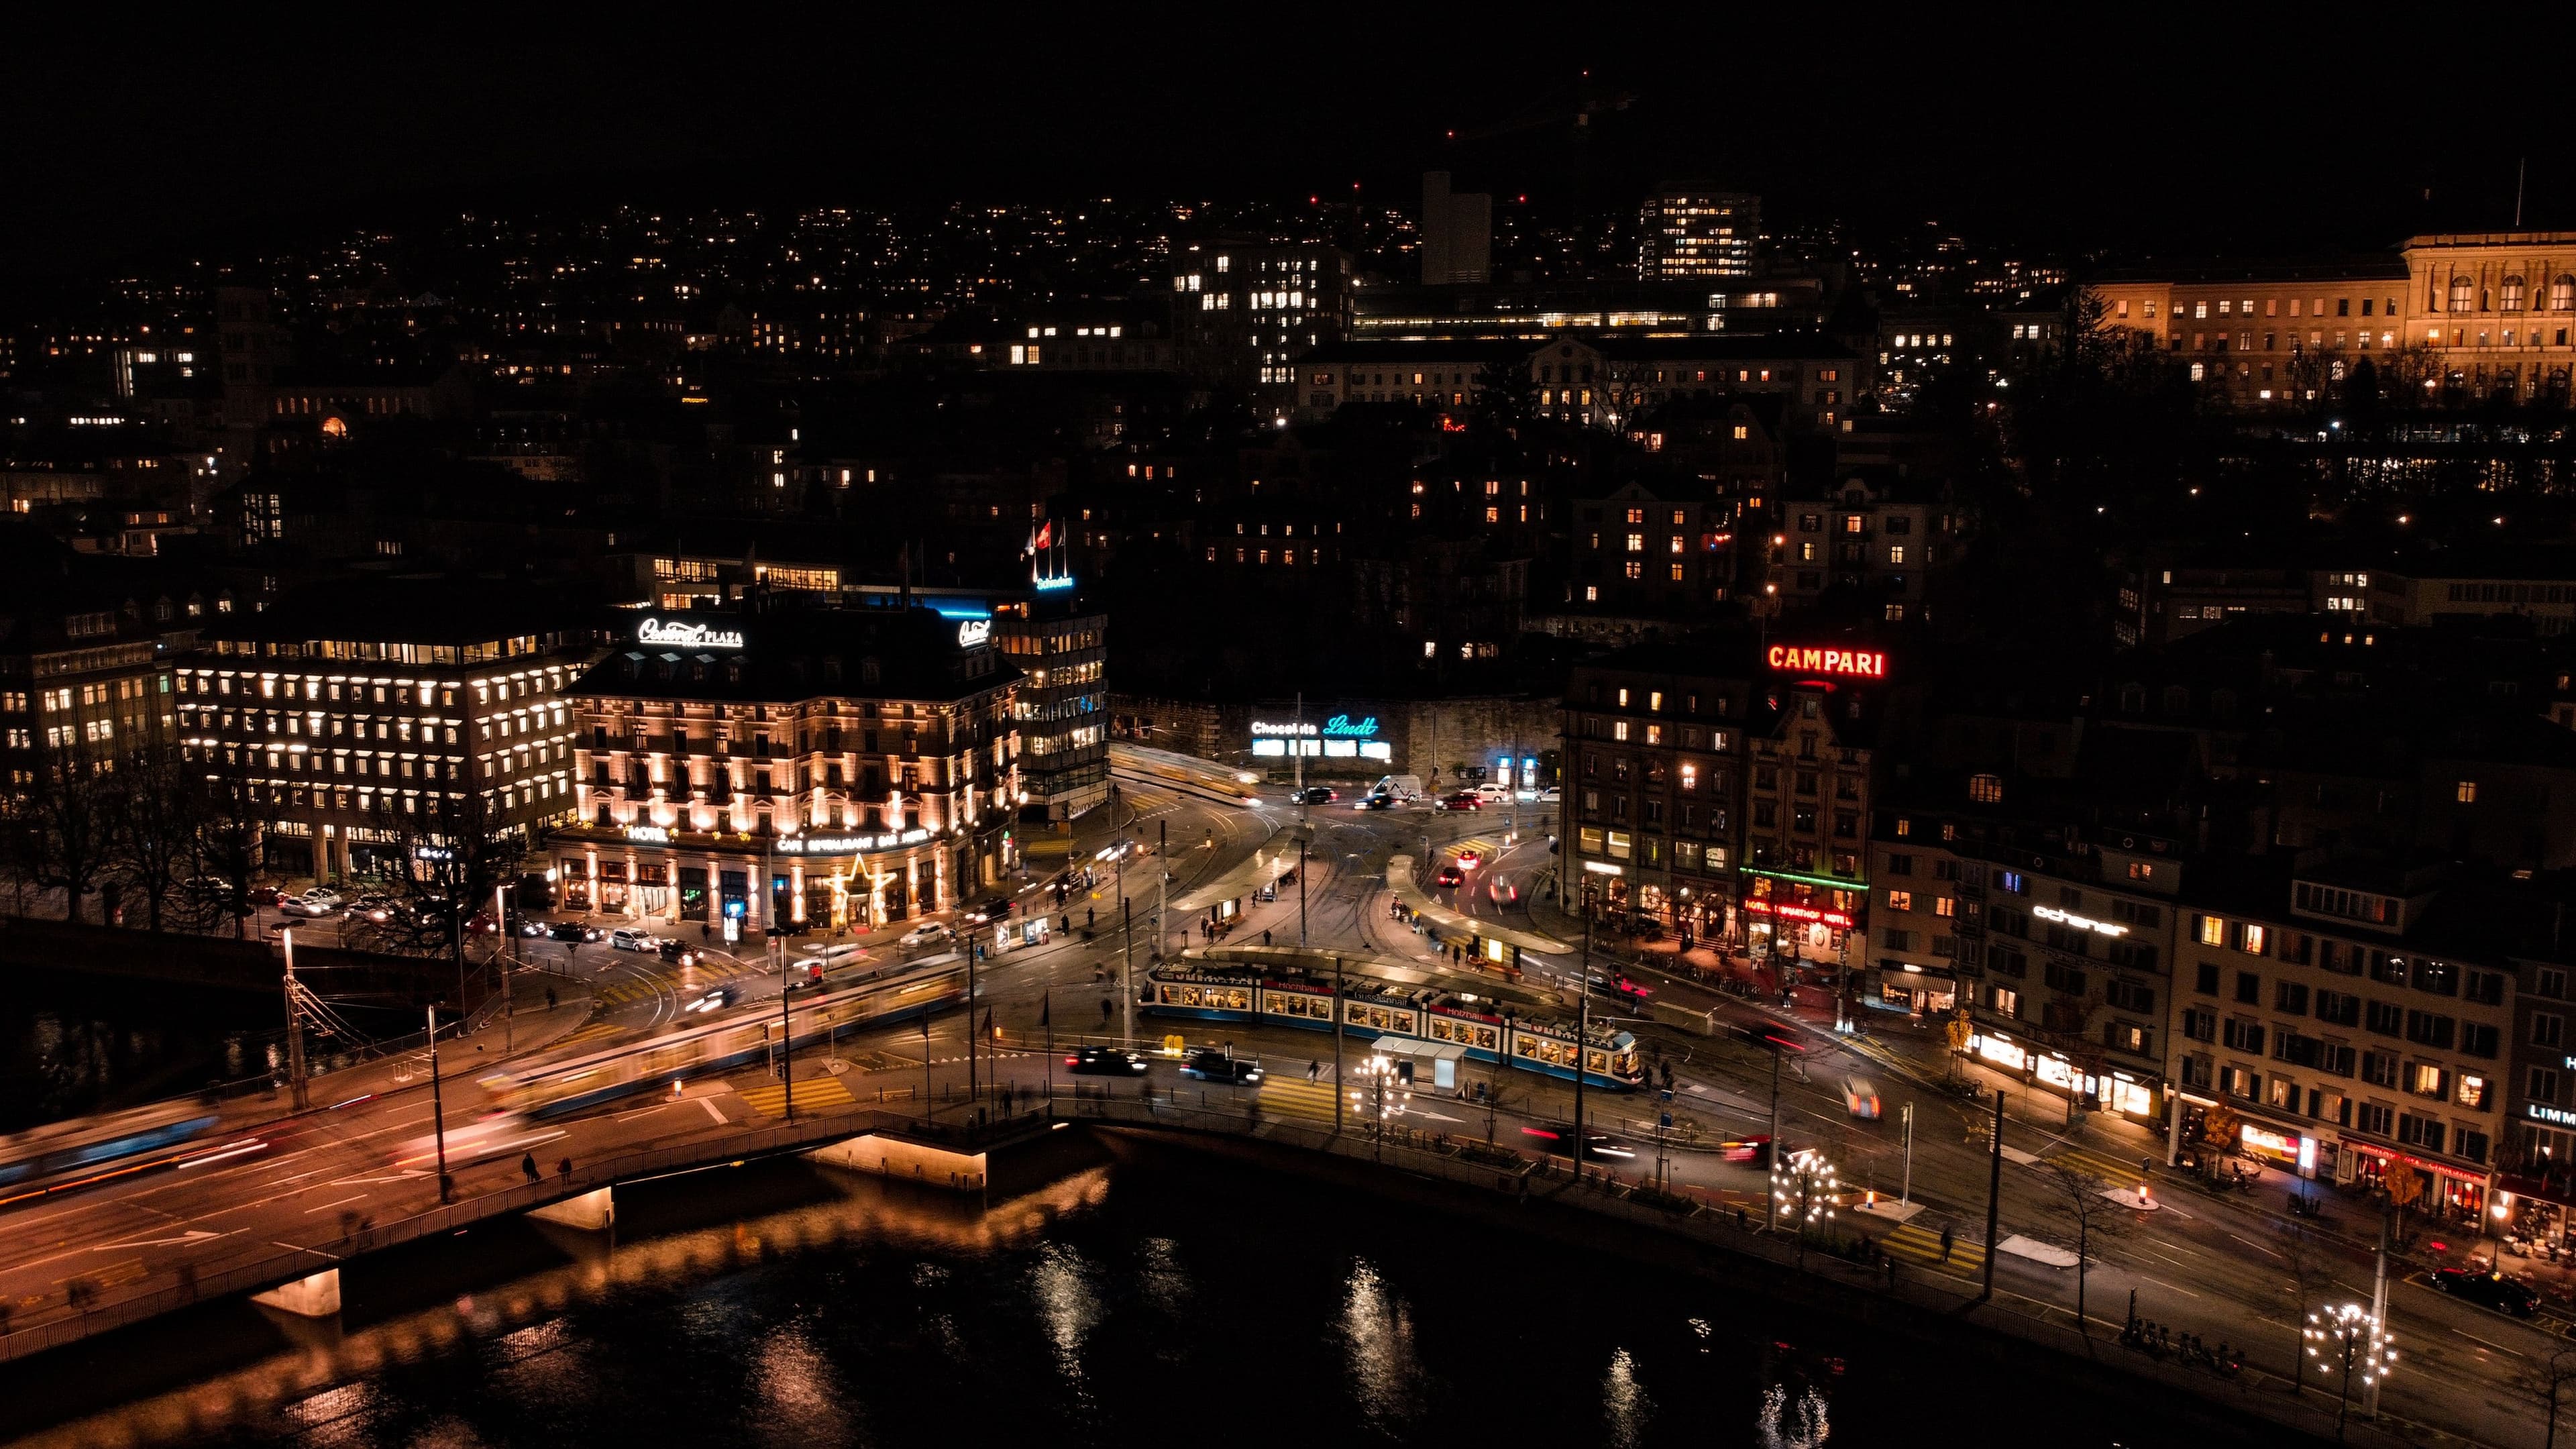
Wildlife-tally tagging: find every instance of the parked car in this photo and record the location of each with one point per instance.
(373, 906)
(1449, 875)
(1313, 795)
(1092, 1061)
(264, 895)
(626, 938)
(1211, 1065)
(1458, 800)
(573, 931)
(326, 895)
(2488, 1289)
(926, 934)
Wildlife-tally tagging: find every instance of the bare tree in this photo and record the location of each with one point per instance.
(2544, 1382)
(153, 839)
(2092, 1215)
(2305, 1273)
(63, 828)
(229, 829)
(449, 852)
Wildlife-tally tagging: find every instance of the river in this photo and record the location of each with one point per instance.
(1154, 1300)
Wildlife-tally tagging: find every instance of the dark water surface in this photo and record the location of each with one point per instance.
(73, 1044)
(1154, 1302)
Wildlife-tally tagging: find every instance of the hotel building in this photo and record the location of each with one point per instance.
(863, 762)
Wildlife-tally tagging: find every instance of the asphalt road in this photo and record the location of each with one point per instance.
(2222, 1267)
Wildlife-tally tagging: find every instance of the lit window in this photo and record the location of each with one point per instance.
(1636, 543)
(2213, 931)
(2252, 944)
(2467, 793)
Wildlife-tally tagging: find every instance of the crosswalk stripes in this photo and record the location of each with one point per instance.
(591, 1033)
(2113, 1172)
(1923, 1245)
(1312, 1101)
(770, 1098)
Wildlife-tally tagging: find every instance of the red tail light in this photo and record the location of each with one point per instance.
(1073, 1061)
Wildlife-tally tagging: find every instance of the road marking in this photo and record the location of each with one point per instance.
(713, 1111)
(326, 1207)
(190, 1236)
(2249, 1242)
(2161, 1283)
(2500, 1348)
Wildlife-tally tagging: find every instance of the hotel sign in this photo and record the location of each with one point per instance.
(1851, 663)
(848, 844)
(971, 632)
(683, 634)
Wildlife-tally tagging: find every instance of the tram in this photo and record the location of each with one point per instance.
(1490, 1031)
(1187, 775)
(548, 1089)
(66, 1155)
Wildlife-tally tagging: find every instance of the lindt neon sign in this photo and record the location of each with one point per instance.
(686, 635)
(1854, 663)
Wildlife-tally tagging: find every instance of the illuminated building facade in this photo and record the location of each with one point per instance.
(1690, 231)
(863, 761)
(1244, 314)
(349, 717)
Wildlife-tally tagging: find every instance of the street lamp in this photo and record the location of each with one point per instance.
(1803, 1188)
(2350, 1340)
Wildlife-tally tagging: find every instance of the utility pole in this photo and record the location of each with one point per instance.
(1772, 1220)
(294, 1031)
(1162, 881)
(1338, 1013)
(2379, 1305)
(973, 1085)
(1905, 1194)
(1302, 833)
(437, 1106)
(501, 965)
(1582, 1036)
(1994, 1195)
(1126, 938)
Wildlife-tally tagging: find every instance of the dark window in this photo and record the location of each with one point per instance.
(2249, 988)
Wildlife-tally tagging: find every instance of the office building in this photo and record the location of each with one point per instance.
(1457, 233)
(1690, 231)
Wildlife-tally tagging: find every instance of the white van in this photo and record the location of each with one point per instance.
(1492, 793)
(1402, 787)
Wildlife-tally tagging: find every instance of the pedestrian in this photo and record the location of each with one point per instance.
(1090, 917)
(1947, 1239)
(1265, 938)
(550, 998)
(1314, 1070)
(528, 1165)
(563, 1169)
(1104, 1011)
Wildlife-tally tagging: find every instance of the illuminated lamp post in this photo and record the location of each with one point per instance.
(2346, 1341)
(1803, 1188)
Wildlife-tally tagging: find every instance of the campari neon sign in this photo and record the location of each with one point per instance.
(1851, 663)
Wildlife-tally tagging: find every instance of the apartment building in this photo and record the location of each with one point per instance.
(1656, 740)
(2348, 1028)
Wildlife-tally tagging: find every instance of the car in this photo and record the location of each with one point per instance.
(807, 972)
(714, 999)
(1491, 791)
(326, 895)
(1376, 802)
(1597, 1146)
(1860, 1098)
(1449, 875)
(992, 910)
(675, 953)
(627, 938)
(1551, 796)
(374, 906)
(1092, 1061)
(1211, 1065)
(1313, 795)
(1469, 858)
(1502, 892)
(305, 905)
(2487, 1289)
(482, 923)
(533, 930)
(1458, 800)
(926, 934)
(573, 931)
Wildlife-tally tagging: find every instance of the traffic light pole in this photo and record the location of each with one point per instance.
(1994, 1194)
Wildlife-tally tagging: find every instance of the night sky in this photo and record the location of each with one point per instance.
(2156, 143)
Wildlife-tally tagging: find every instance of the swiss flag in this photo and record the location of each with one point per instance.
(1046, 534)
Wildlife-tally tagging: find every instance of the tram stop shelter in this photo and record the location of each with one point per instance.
(1422, 1064)
(1224, 898)
(1493, 945)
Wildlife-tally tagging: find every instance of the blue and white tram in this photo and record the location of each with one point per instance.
(1488, 1030)
(547, 1089)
